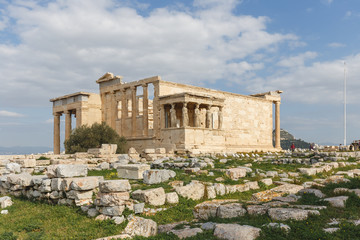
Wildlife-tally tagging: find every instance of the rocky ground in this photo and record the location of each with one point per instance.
(300, 195)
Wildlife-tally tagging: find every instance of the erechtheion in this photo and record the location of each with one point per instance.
(152, 113)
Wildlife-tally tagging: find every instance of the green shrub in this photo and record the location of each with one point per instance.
(85, 137)
(43, 158)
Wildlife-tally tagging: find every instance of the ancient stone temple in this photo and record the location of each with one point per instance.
(152, 113)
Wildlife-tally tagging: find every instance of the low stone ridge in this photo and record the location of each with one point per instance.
(284, 214)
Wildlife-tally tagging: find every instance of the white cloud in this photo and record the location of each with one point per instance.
(4, 113)
(66, 45)
(336, 45)
(327, 2)
(297, 61)
(320, 82)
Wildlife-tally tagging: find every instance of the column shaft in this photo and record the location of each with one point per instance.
(114, 110)
(133, 111)
(173, 115)
(124, 111)
(56, 133)
(220, 117)
(145, 110)
(67, 124)
(277, 125)
(156, 110)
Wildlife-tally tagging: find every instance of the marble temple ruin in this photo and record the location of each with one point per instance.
(152, 113)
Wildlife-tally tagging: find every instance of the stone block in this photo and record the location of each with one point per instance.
(231, 210)
(236, 173)
(155, 176)
(5, 202)
(337, 201)
(85, 183)
(149, 151)
(160, 151)
(138, 226)
(132, 171)
(235, 231)
(172, 198)
(27, 162)
(68, 171)
(284, 214)
(112, 199)
(79, 195)
(13, 167)
(114, 186)
(194, 191)
(22, 179)
(56, 184)
(154, 196)
(112, 211)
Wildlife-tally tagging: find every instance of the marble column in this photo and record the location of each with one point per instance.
(163, 117)
(156, 110)
(220, 115)
(124, 111)
(114, 110)
(173, 115)
(185, 115)
(208, 117)
(197, 115)
(57, 133)
(277, 125)
(133, 111)
(67, 124)
(145, 110)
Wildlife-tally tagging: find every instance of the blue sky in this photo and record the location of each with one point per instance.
(53, 48)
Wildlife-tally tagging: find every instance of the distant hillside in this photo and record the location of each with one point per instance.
(23, 150)
(286, 139)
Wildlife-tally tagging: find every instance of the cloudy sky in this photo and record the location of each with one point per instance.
(53, 48)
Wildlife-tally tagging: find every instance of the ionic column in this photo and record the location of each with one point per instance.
(220, 115)
(124, 111)
(114, 110)
(277, 125)
(185, 115)
(156, 110)
(197, 115)
(133, 111)
(67, 124)
(57, 133)
(173, 115)
(163, 117)
(145, 110)
(208, 117)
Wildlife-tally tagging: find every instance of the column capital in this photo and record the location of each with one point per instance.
(144, 85)
(208, 107)
(57, 114)
(197, 105)
(133, 87)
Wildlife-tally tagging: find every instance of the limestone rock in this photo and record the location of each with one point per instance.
(337, 201)
(316, 192)
(155, 176)
(267, 181)
(231, 210)
(281, 226)
(5, 202)
(288, 189)
(139, 208)
(236, 173)
(236, 232)
(257, 209)
(284, 214)
(172, 198)
(13, 167)
(154, 196)
(208, 209)
(194, 191)
(187, 232)
(22, 179)
(66, 170)
(132, 171)
(138, 226)
(114, 186)
(112, 199)
(85, 183)
(112, 211)
(265, 196)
